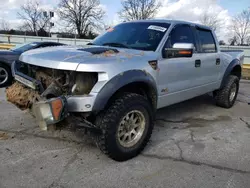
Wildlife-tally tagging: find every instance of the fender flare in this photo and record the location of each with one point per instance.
(119, 81)
(229, 69)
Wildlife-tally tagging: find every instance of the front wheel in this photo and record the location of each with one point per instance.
(126, 127)
(226, 96)
(5, 76)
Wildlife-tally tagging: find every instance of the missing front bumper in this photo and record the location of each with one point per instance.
(53, 111)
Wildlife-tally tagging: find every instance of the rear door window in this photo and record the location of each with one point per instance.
(207, 41)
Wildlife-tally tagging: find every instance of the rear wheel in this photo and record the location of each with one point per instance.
(226, 96)
(5, 76)
(126, 127)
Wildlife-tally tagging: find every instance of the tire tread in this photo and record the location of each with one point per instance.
(105, 122)
(222, 95)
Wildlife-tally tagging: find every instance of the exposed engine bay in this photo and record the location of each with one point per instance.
(53, 83)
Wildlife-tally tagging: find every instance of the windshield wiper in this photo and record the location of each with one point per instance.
(114, 44)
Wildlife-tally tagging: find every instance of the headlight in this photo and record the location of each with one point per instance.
(50, 112)
(44, 112)
(84, 83)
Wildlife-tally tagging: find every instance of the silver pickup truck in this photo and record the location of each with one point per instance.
(114, 85)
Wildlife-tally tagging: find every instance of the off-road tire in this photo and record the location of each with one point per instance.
(109, 122)
(222, 96)
(9, 79)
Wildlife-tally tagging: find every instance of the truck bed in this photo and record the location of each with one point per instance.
(236, 54)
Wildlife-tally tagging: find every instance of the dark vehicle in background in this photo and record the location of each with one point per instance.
(7, 57)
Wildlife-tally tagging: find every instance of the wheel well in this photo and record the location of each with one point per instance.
(140, 88)
(2, 62)
(6, 65)
(236, 71)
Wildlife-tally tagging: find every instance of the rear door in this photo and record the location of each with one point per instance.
(209, 57)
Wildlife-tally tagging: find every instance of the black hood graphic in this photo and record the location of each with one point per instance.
(98, 50)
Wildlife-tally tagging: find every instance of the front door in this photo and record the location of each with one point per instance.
(178, 76)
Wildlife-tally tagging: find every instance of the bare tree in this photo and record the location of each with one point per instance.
(233, 41)
(248, 41)
(81, 15)
(33, 17)
(5, 26)
(241, 25)
(138, 9)
(211, 20)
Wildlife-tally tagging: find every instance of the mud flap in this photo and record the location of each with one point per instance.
(50, 111)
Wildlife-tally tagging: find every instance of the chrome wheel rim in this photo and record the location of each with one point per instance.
(3, 75)
(131, 128)
(233, 92)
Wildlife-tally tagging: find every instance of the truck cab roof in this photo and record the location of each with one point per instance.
(172, 22)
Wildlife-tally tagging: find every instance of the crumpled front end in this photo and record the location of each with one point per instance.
(51, 93)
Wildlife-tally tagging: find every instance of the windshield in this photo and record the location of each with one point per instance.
(24, 47)
(136, 35)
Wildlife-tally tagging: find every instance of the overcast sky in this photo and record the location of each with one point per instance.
(189, 10)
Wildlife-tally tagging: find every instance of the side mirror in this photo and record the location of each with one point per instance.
(179, 50)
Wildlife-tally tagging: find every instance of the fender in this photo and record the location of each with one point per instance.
(229, 69)
(118, 82)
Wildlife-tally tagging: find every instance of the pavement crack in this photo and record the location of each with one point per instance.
(192, 135)
(181, 152)
(72, 159)
(248, 124)
(244, 95)
(169, 121)
(218, 167)
(39, 136)
(55, 183)
(153, 156)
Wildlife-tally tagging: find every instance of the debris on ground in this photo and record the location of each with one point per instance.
(3, 136)
(21, 96)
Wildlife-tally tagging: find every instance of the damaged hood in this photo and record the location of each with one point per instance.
(87, 58)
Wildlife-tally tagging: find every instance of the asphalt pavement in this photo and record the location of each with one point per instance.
(194, 145)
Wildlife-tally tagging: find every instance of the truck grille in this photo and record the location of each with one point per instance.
(43, 79)
(41, 75)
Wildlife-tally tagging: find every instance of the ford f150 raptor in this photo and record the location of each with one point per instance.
(114, 85)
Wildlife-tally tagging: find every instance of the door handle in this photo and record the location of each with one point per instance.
(197, 63)
(218, 61)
